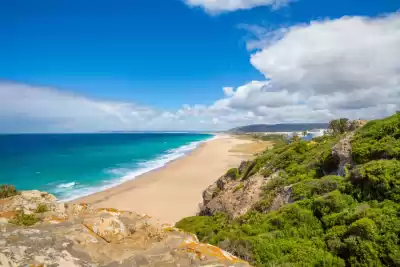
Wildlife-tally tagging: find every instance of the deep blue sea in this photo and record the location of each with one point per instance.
(74, 165)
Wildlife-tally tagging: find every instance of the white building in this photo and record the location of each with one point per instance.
(315, 133)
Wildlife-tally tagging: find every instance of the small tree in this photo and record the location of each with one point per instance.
(295, 137)
(339, 126)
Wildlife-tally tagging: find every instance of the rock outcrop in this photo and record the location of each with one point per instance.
(234, 197)
(282, 198)
(81, 236)
(342, 152)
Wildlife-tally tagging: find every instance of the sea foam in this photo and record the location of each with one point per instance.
(71, 191)
(66, 185)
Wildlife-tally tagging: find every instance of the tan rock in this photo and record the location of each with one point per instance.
(342, 151)
(88, 237)
(109, 228)
(234, 197)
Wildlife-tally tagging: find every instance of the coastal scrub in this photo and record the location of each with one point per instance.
(328, 220)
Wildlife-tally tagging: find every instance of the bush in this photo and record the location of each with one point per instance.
(292, 252)
(24, 219)
(232, 173)
(378, 180)
(331, 203)
(7, 191)
(315, 187)
(379, 139)
(334, 221)
(41, 208)
(205, 227)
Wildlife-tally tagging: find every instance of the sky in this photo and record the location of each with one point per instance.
(89, 66)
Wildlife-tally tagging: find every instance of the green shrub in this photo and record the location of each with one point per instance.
(331, 203)
(205, 227)
(238, 187)
(24, 219)
(292, 252)
(378, 180)
(41, 208)
(7, 191)
(334, 221)
(315, 187)
(232, 173)
(379, 139)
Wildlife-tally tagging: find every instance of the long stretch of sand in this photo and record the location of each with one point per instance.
(175, 191)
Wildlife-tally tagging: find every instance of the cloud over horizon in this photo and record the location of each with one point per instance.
(346, 67)
(218, 6)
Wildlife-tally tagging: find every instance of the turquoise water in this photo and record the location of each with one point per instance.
(75, 165)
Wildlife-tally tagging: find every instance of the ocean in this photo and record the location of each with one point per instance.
(75, 165)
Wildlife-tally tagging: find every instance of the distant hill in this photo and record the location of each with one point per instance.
(289, 127)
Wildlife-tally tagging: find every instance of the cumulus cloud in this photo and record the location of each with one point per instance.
(228, 91)
(346, 67)
(217, 6)
(325, 69)
(341, 55)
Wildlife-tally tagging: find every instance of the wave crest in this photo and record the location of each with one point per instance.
(73, 191)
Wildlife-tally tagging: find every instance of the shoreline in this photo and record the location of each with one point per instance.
(143, 170)
(174, 190)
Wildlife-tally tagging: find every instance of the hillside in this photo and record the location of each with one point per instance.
(333, 201)
(293, 127)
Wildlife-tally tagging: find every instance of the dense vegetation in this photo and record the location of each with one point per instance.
(333, 221)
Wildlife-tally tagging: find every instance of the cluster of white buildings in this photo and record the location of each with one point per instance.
(309, 134)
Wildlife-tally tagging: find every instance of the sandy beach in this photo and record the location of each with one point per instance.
(175, 191)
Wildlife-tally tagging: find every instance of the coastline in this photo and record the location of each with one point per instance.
(146, 166)
(175, 190)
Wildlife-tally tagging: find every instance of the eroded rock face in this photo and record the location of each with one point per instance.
(73, 235)
(342, 151)
(283, 198)
(235, 198)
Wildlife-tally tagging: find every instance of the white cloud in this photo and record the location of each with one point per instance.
(347, 67)
(217, 6)
(228, 91)
(25, 108)
(322, 70)
(342, 55)
(49, 109)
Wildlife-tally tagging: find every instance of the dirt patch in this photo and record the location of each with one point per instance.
(251, 148)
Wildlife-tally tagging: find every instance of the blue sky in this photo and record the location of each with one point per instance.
(169, 56)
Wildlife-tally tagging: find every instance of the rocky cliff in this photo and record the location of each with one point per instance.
(237, 193)
(36, 230)
(331, 201)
